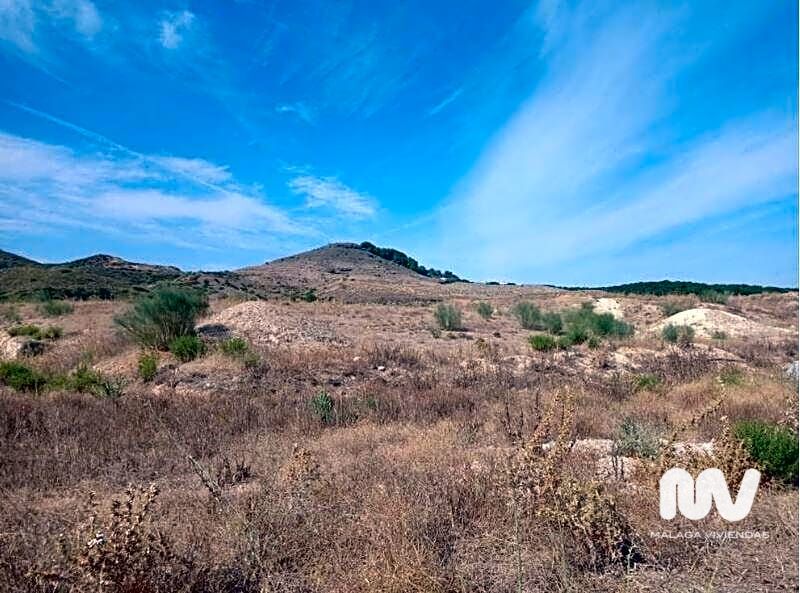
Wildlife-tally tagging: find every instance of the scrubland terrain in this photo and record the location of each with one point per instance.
(332, 435)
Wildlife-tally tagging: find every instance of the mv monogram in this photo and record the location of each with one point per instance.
(680, 492)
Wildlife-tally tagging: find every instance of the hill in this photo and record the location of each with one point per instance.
(343, 271)
(668, 287)
(12, 260)
(404, 260)
(98, 276)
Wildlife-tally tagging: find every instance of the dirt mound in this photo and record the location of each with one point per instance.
(708, 322)
(261, 324)
(607, 305)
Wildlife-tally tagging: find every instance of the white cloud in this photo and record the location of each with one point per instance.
(25, 23)
(446, 101)
(299, 109)
(173, 27)
(83, 15)
(198, 169)
(168, 198)
(581, 169)
(328, 192)
(17, 24)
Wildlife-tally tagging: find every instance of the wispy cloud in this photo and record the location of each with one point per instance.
(299, 109)
(583, 166)
(18, 24)
(330, 193)
(173, 27)
(24, 24)
(47, 185)
(446, 101)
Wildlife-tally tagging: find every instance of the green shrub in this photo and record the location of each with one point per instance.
(448, 317)
(731, 375)
(647, 382)
(542, 342)
(677, 334)
(634, 439)
(309, 295)
(52, 308)
(234, 347)
(719, 335)
(552, 323)
(584, 322)
(20, 377)
(593, 342)
(52, 332)
(485, 310)
(148, 366)
(528, 314)
(322, 405)
(29, 330)
(714, 296)
(575, 335)
(86, 380)
(186, 348)
(157, 319)
(563, 342)
(774, 448)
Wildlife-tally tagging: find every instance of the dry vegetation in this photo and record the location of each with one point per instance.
(352, 449)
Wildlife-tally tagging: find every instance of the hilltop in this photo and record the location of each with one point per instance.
(98, 276)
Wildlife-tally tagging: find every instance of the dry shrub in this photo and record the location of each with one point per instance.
(540, 490)
(122, 552)
(392, 354)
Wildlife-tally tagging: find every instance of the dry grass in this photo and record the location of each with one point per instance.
(428, 476)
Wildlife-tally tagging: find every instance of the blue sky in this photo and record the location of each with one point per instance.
(556, 142)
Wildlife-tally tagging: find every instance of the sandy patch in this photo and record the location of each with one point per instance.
(706, 322)
(260, 323)
(607, 305)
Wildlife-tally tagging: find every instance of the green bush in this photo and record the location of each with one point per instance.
(86, 380)
(774, 448)
(647, 382)
(634, 439)
(448, 317)
(29, 330)
(161, 317)
(586, 322)
(322, 405)
(542, 342)
(186, 348)
(485, 310)
(148, 366)
(552, 323)
(52, 332)
(309, 295)
(719, 335)
(52, 308)
(20, 377)
(677, 334)
(576, 335)
(731, 375)
(714, 296)
(528, 314)
(234, 347)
